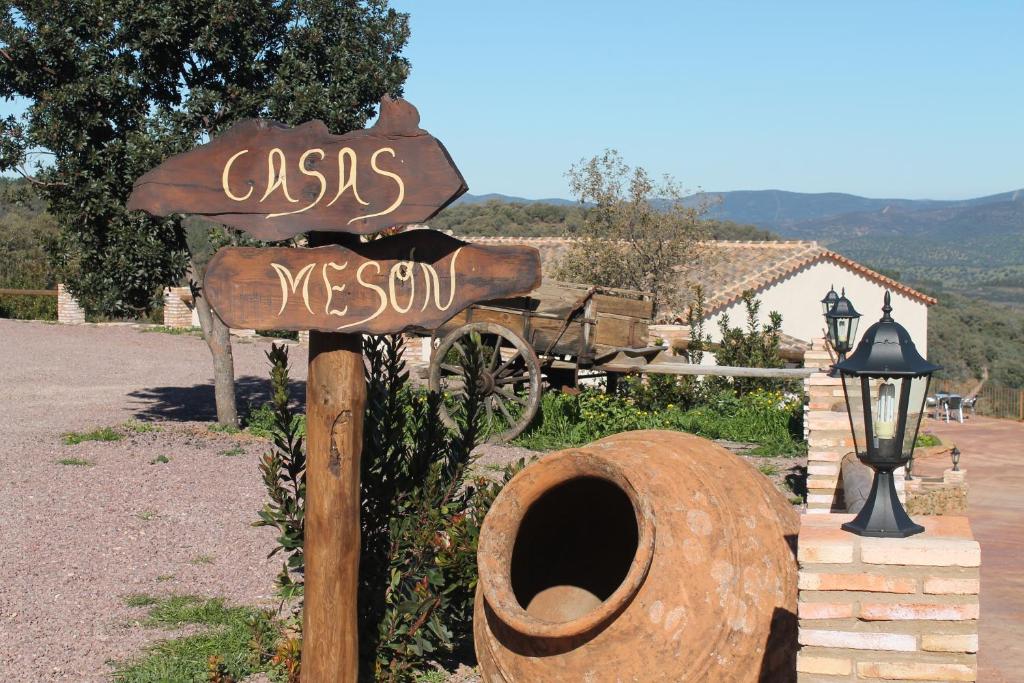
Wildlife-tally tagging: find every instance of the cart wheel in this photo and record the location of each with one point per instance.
(510, 382)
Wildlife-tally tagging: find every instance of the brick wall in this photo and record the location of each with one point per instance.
(68, 310)
(828, 435)
(177, 307)
(885, 609)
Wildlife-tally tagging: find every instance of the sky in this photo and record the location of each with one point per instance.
(883, 99)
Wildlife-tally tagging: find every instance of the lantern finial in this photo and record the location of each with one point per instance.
(887, 308)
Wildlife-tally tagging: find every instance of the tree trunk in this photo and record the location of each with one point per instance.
(218, 339)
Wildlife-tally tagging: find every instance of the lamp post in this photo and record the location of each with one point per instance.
(885, 382)
(841, 325)
(955, 454)
(829, 301)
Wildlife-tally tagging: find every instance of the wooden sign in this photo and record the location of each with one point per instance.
(275, 182)
(414, 280)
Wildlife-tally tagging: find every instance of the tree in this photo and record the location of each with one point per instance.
(115, 87)
(636, 235)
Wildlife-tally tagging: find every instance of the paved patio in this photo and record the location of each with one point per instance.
(992, 456)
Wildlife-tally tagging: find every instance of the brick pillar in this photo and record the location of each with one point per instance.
(827, 430)
(177, 308)
(887, 609)
(68, 310)
(304, 336)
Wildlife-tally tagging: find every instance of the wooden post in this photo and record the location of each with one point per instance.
(335, 401)
(1020, 405)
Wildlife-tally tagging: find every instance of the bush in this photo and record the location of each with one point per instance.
(767, 418)
(420, 519)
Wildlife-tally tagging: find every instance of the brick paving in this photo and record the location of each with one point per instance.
(991, 456)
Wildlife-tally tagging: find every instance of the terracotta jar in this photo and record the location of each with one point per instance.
(646, 556)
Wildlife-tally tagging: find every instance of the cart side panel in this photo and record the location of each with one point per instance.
(617, 305)
(620, 331)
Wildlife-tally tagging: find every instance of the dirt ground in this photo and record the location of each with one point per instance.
(77, 539)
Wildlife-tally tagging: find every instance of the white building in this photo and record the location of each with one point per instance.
(790, 277)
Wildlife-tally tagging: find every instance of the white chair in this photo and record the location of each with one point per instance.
(955, 405)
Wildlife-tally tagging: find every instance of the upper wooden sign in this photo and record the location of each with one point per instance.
(414, 280)
(275, 182)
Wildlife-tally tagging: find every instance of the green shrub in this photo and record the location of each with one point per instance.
(420, 519)
(767, 418)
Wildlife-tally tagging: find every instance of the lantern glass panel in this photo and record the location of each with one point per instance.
(853, 388)
(915, 410)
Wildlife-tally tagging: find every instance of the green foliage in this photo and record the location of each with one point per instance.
(241, 640)
(539, 219)
(926, 441)
(284, 475)
(627, 240)
(967, 336)
(767, 418)
(420, 517)
(115, 89)
(188, 331)
(26, 232)
(101, 434)
(755, 347)
(77, 462)
(160, 460)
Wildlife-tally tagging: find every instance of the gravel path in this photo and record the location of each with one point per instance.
(76, 539)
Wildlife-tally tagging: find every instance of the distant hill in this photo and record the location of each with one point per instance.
(780, 210)
(507, 199)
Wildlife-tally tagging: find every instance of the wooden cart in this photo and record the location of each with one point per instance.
(546, 337)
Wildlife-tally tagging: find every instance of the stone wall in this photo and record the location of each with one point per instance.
(68, 310)
(888, 609)
(178, 307)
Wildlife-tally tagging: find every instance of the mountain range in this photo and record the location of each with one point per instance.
(975, 246)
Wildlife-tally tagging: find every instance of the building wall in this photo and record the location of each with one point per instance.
(798, 299)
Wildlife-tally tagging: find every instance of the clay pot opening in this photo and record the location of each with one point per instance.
(573, 549)
(565, 547)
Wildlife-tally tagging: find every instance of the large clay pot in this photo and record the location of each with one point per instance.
(646, 556)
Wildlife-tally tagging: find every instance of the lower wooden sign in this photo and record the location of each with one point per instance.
(410, 281)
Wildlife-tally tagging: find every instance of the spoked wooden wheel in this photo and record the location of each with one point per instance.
(510, 382)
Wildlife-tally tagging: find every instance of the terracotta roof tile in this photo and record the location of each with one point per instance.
(734, 267)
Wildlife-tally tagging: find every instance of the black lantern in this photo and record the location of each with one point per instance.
(955, 454)
(829, 301)
(885, 382)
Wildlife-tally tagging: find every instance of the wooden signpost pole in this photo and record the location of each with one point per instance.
(335, 401)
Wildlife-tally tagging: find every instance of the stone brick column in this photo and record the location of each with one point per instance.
(828, 435)
(68, 310)
(887, 609)
(177, 311)
(827, 430)
(304, 336)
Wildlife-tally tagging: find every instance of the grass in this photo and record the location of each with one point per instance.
(160, 459)
(101, 434)
(146, 515)
(224, 429)
(77, 462)
(163, 329)
(927, 440)
(202, 559)
(432, 676)
(242, 640)
(164, 577)
(768, 470)
(237, 450)
(138, 427)
(765, 418)
(140, 600)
